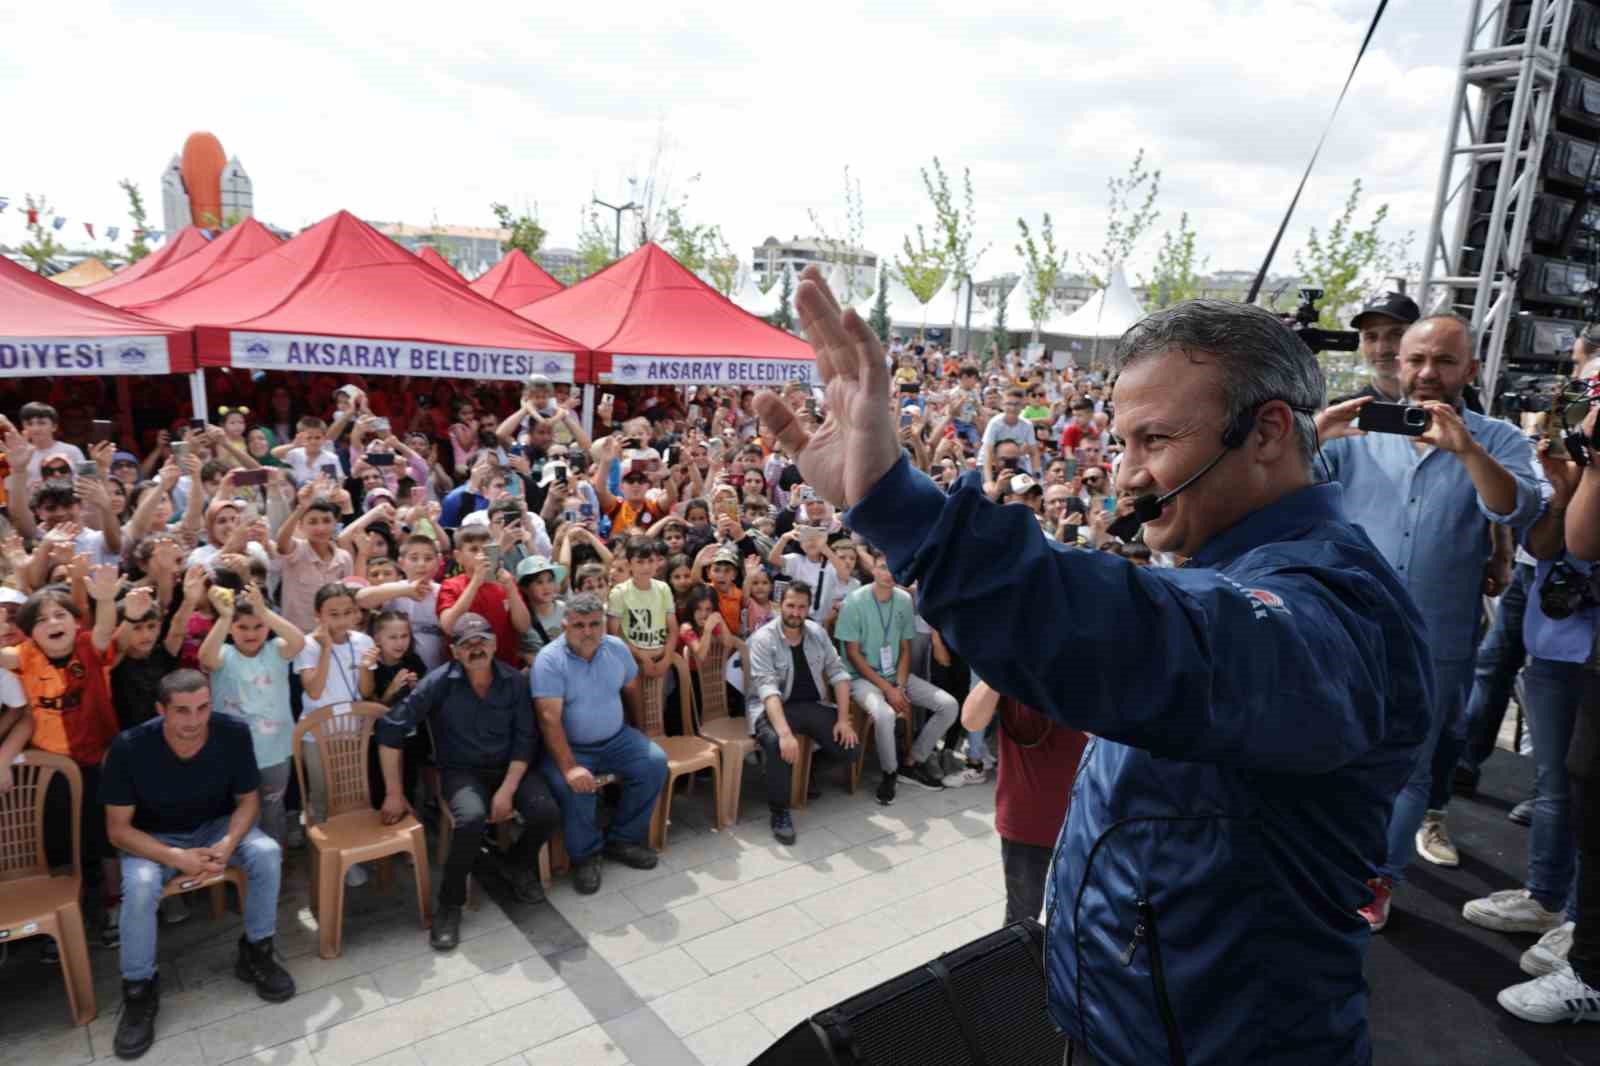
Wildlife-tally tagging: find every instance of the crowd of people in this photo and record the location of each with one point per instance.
(493, 583)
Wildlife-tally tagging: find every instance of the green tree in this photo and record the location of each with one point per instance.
(42, 246)
(1349, 260)
(594, 249)
(783, 317)
(845, 250)
(137, 248)
(525, 232)
(703, 249)
(922, 269)
(1000, 334)
(768, 277)
(1128, 218)
(1044, 266)
(1178, 267)
(879, 320)
(956, 223)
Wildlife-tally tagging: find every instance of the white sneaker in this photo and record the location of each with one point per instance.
(1433, 841)
(356, 876)
(1558, 996)
(1513, 910)
(1549, 952)
(972, 775)
(174, 909)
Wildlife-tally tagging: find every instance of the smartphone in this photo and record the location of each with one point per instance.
(491, 553)
(331, 469)
(558, 471)
(1072, 468)
(570, 515)
(380, 458)
(606, 397)
(727, 508)
(910, 388)
(586, 512)
(248, 513)
(633, 442)
(197, 424)
(180, 450)
(1110, 504)
(516, 449)
(102, 429)
(87, 468)
(1400, 418)
(905, 421)
(250, 477)
(381, 426)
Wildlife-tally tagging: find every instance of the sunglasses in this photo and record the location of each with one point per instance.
(635, 479)
(50, 469)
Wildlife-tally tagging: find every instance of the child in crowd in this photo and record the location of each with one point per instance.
(389, 673)
(592, 577)
(330, 675)
(63, 669)
(251, 682)
(312, 562)
(145, 657)
(728, 599)
(414, 594)
(310, 453)
(39, 422)
(758, 610)
(540, 582)
(486, 588)
(680, 575)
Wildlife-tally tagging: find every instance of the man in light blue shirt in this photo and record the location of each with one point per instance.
(580, 683)
(1426, 503)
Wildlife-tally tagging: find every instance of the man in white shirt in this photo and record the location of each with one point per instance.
(1009, 425)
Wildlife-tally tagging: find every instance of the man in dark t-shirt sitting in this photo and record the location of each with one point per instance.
(181, 801)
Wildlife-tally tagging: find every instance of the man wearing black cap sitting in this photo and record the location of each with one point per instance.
(1382, 322)
(484, 738)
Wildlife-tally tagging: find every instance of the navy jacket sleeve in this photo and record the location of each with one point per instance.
(393, 728)
(525, 736)
(1183, 663)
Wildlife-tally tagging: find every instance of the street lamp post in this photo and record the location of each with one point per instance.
(629, 206)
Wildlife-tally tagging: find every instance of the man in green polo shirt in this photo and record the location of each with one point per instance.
(875, 628)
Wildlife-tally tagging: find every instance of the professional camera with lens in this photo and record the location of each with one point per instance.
(1304, 324)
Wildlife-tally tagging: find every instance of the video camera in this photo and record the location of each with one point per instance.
(1304, 324)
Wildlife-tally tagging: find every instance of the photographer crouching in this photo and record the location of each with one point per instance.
(1255, 712)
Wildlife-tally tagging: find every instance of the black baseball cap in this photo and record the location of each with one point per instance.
(1395, 305)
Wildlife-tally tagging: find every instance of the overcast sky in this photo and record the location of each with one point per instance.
(424, 112)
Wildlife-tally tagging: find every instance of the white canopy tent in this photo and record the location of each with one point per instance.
(1108, 314)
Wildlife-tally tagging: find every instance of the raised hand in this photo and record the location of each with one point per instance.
(1340, 420)
(194, 584)
(103, 582)
(857, 443)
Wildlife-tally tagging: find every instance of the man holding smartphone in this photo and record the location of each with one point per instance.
(1423, 499)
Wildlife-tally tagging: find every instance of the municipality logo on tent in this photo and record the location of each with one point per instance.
(552, 366)
(258, 352)
(132, 355)
(630, 371)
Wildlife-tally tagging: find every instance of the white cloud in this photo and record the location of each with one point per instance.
(417, 111)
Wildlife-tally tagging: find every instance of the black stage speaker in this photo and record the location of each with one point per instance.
(982, 1004)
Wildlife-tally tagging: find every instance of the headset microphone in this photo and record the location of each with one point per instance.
(1149, 506)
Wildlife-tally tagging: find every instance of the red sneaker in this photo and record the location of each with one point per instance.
(1377, 912)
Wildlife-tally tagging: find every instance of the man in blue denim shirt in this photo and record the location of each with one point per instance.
(1423, 501)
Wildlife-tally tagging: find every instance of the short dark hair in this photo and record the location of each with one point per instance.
(641, 548)
(55, 492)
(799, 588)
(417, 540)
(332, 591)
(180, 682)
(311, 422)
(61, 595)
(508, 505)
(35, 409)
(1083, 403)
(387, 615)
(327, 507)
(468, 536)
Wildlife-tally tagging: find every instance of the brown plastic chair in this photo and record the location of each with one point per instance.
(800, 777)
(32, 902)
(214, 884)
(685, 754)
(868, 737)
(730, 735)
(353, 831)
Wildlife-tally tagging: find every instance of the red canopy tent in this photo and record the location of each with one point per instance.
(431, 256)
(49, 331)
(236, 247)
(342, 296)
(187, 242)
(516, 281)
(650, 321)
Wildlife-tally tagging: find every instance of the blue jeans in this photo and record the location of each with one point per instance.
(641, 768)
(1552, 690)
(1451, 680)
(1500, 656)
(258, 855)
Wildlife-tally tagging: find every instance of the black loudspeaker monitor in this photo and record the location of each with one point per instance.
(983, 1004)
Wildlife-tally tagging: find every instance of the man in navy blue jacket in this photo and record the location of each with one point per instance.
(1255, 711)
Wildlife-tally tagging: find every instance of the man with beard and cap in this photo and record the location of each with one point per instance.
(1423, 501)
(1254, 712)
(1381, 323)
(484, 740)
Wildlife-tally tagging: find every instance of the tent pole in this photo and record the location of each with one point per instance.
(588, 405)
(197, 392)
